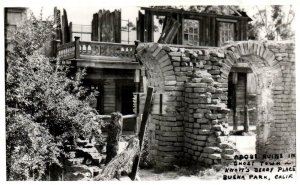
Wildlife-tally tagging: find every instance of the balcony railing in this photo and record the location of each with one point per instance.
(66, 51)
(79, 49)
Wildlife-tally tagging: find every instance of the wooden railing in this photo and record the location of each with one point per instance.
(91, 48)
(66, 51)
(106, 49)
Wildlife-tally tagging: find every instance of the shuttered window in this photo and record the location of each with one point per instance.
(191, 32)
(226, 32)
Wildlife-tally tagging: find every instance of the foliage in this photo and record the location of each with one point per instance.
(272, 23)
(44, 108)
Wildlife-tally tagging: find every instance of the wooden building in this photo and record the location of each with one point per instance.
(112, 70)
(197, 29)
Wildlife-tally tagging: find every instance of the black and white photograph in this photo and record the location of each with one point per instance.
(149, 91)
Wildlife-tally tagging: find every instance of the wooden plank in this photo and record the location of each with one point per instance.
(180, 29)
(101, 97)
(65, 28)
(142, 26)
(137, 29)
(111, 27)
(159, 103)
(104, 26)
(115, 25)
(118, 26)
(71, 31)
(213, 29)
(201, 33)
(210, 31)
(95, 21)
(171, 27)
(118, 97)
(207, 33)
(146, 31)
(108, 26)
(63, 35)
(151, 28)
(172, 34)
(244, 30)
(100, 14)
(109, 96)
(142, 131)
(185, 13)
(238, 30)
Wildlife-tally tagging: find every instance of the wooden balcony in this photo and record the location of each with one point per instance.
(99, 54)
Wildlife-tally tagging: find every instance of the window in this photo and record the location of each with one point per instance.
(191, 32)
(9, 30)
(14, 18)
(226, 32)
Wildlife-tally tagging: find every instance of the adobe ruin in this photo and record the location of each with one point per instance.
(194, 80)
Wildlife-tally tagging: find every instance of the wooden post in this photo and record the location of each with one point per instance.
(121, 162)
(71, 31)
(246, 115)
(54, 52)
(137, 90)
(246, 119)
(145, 116)
(128, 30)
(234, 82)
(77, 47)
(137, 120)
(114, 132)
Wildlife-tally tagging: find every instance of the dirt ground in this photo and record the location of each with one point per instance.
(245, 144)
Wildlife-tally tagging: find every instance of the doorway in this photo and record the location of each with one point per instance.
(238, 102)
(124, 103)
(239, 117)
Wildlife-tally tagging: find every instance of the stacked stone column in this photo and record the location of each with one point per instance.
(205, 121)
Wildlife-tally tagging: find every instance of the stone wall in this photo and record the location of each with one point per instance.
(195, 80)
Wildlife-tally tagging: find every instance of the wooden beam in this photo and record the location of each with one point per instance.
(113, 64)
(246, 116)
(77, 47)
(145, 116)
(234, 82)
(171, 27)
(155, 11)
(241, 69)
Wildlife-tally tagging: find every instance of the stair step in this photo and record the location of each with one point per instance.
(81, 142)
(75, 161)
(70, 148)
(74, 176)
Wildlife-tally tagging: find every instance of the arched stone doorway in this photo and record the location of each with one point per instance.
(260, 84)
(165, 131)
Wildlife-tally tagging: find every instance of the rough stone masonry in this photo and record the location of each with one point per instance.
(195, 80)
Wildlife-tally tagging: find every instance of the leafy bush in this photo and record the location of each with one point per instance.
(44, 108)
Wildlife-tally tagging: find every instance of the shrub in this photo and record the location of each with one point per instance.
(44, 108)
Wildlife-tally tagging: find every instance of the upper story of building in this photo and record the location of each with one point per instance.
(103, 41)
(211, 28)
